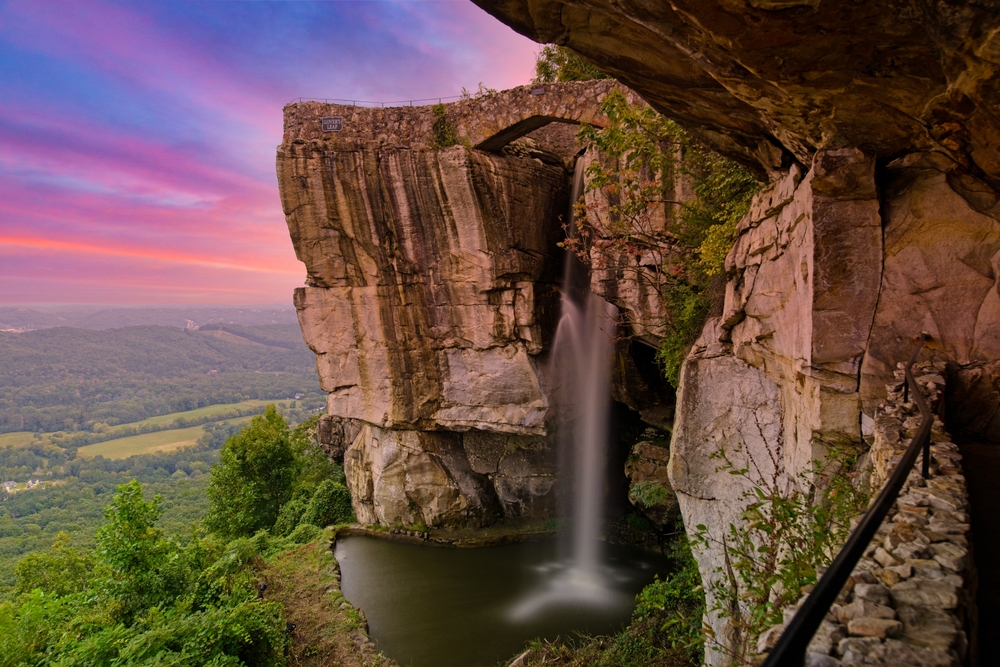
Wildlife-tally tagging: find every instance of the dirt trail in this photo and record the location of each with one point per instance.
(328, 630)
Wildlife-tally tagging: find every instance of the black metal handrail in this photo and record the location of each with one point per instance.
(370, 103)
(790, 650)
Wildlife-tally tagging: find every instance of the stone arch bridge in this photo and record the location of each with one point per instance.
(485, 122)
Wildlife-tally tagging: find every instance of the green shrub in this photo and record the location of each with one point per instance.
(787, 532)
(444, 132)
(305, 533)
(330, 504)
(677, 602)
(289, 517)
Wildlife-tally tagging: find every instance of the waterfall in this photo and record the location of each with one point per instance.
(581, 364)
(582, 355)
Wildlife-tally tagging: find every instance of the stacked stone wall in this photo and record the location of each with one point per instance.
(909, 601)
(474, 120)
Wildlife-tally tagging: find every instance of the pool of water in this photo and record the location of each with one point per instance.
(440, 607)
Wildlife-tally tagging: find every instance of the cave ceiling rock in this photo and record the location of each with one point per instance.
(769, 81)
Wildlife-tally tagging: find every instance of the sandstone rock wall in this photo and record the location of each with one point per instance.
(431, 298)
(813, 299)
(767, 81)
(430, 286)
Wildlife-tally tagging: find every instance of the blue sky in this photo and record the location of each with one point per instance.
(137, 138)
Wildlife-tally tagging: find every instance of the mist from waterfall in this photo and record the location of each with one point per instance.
(581, 364)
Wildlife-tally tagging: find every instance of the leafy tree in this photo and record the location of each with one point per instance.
(63, 570)
(314, 463)
(556, 64)
(253, 478)
(131, 552)
(289, 517)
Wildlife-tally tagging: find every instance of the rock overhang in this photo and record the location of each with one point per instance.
(766, 82)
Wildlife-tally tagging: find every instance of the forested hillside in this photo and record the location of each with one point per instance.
(73, 379)
(19, 318)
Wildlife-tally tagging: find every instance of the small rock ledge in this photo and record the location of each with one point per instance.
(909, 600)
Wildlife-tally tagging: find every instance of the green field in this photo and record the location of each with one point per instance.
(16, 439)
(148, 443)
(207, 411)
(25, 438)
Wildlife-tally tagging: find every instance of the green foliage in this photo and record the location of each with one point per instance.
(787, 532)
(131, 553)
(66, 379)
(688, 306)
(313, 463)
(556, 64)
(330, 505)
(678, 602)
(150, 600)
(73, 502)
(304, 533)
(444, 132)
(253, 478)
(642, 154)
(62, 570)
(649, 494)
(289, 517)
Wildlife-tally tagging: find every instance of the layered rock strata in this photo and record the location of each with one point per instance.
(822, 301)
(908, 600)
(431, 296)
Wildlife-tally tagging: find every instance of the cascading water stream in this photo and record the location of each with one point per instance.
(581, 370)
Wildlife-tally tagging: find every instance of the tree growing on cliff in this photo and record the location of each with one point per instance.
(556, 64)
(253, 479)
(680, 252)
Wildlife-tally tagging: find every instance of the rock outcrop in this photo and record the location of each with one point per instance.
(432, 292)
(649, 483)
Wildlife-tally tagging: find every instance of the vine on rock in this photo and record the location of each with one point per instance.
(675, 244)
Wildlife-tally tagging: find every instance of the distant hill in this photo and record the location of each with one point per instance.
(65, 378)
(20, 319)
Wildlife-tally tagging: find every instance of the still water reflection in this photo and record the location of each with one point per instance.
(439, 607)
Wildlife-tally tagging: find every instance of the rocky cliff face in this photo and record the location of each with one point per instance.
(432, 294)
(876, 127)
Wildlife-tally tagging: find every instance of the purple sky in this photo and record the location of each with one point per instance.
(137, 138)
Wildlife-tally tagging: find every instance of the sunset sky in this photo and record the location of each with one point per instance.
(137, 139)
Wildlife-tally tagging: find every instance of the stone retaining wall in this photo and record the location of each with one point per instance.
(910, 600)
